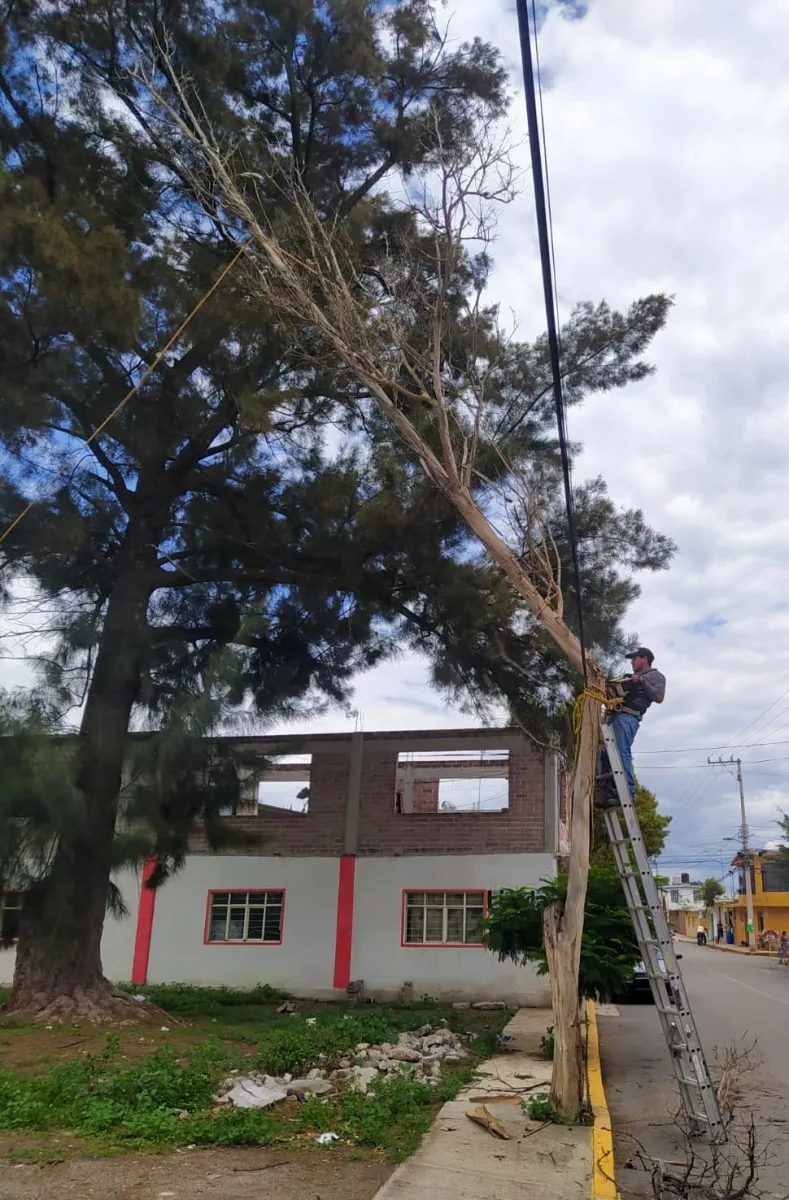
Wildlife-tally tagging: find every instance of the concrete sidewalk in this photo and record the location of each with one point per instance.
(459, 1160)
(681, 937)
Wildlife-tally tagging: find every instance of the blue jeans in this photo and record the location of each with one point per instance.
(625, 729)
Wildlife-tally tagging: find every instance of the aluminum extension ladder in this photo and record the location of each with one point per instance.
(679, 1029)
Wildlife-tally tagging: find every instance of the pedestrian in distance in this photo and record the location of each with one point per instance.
(719, 935)
(783, 949)
(701, 935)
(638, 691)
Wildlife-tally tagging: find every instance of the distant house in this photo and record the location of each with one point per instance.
(374, 857)
(770, 887)
(683, 902)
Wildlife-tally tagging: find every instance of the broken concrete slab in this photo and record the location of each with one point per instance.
(246, 1093)
(362, 1077)
(309, 1087)
(405, 1054)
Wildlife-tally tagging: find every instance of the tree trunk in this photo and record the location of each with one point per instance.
(563, 933)
(58, 973)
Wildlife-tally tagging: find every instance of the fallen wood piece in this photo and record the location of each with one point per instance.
(482, 1117)
(283, 1162)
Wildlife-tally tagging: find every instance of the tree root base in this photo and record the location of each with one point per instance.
(100, 1005)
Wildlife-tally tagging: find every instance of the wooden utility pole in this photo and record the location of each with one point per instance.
(746, 855)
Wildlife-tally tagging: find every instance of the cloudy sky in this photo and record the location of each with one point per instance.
(668, 145)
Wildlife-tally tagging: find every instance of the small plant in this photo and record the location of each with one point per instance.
(539, 1108)
(547, 1044)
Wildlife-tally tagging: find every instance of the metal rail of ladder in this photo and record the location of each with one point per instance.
(654, 940)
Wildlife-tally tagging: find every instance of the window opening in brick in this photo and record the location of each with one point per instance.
(286, 784)
(10, 915)
(444, 918)
(245, 917)
(460, 781)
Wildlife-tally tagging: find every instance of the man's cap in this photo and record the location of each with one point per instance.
(642, 652)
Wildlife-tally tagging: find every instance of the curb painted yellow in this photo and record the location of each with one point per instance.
(603, 1175)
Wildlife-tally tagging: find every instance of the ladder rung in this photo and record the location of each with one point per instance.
(688, 1081)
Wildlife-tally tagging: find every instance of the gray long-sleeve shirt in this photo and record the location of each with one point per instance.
(654, 682)
(645, 688)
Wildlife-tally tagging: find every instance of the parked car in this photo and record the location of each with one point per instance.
(637, 989)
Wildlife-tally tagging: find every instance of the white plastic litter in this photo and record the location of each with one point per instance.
(165, 1029)
(324, 1139)
(311, 1021)
(139, 996)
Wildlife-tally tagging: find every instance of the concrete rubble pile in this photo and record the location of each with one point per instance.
(419, 1054)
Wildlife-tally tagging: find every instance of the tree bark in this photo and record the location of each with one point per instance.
(563, 932)
(58, 973)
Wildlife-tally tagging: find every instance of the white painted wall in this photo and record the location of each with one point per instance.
(117, 943)
(303, 964)
(462, 973)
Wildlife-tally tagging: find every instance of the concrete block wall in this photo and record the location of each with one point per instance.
(320, 831)
(384, 831)
(355, 813)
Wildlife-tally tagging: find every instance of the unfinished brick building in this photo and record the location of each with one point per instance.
(374, 857)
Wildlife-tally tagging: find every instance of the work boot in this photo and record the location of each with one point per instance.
(605, 793)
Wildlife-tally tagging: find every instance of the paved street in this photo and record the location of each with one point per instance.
(735, 998)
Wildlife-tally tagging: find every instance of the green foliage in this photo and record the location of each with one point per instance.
(539, 1108)
(185, 1000)
(547, 1043)
(654, 830)
(165, 1101)
(710, 890)
(609, 950)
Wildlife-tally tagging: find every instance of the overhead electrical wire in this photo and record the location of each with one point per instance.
(547, 263)
(701, 782)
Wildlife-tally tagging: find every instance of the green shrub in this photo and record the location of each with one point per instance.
(609, 949)
(188, 1001)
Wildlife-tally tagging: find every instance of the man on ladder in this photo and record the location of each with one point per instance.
(638, 691)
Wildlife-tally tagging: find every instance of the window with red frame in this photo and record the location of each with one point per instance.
(245, 917)
(10, 915)
(444, 918)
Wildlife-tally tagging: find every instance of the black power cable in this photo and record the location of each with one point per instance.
(545, 246)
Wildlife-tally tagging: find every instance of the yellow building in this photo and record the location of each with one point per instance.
(770, 885)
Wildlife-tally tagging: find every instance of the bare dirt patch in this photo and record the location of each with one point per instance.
(233, 1174)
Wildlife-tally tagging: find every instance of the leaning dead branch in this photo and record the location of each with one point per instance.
(734, 1067)
(388, 327)
(729, 1171)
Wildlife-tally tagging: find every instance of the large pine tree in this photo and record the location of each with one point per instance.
(233, 540)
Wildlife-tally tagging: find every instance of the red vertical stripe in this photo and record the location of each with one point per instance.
(142, 941)
(344, 940)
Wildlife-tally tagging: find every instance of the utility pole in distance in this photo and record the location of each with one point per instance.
(746, 857)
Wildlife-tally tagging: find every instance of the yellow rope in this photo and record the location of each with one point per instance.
(148, 371)
(578, 712)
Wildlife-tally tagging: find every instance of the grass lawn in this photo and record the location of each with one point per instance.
(74, 1090)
